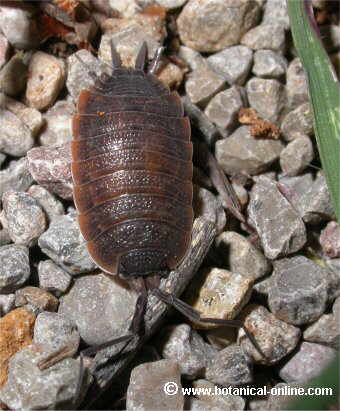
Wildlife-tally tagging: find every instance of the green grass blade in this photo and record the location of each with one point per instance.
(324, 91)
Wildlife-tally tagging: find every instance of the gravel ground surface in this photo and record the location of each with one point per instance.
(245, 91)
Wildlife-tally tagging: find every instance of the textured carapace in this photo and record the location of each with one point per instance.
(132, 172)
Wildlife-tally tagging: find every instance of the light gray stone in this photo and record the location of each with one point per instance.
(78, 77)
(296, 156)
(315, 204)
(268, 64)
(207, 205)
(297, 87)
(298, 290)
(325, 330)
(267, 97)
(52, 278)
(279, 399)
(58, 128)
(15, 177)
(6, 303)
(48, 202)
(214, 25)
(295, 187)
(13, 76)
(148, 383)
(281, 229)
(64, 244)
(171, 4)
(15, 137)
(19, 26)
(297, 123)
(219, 401)
(275, 338)
(181, 344)
(31, 117)
(203, 84)
(308, 362)
(30, 388)
(241, 256)
(191, 57)
(230, 366)
(125, 8)
(330, 240)
(94, 304)
(127, 43)
(242, 153)
(333, 266)
(25, 219)
(276, 10)
(14, 267)
(56, 331)
(265, 36)
(4, 50)
(223, 109)
(233, 62)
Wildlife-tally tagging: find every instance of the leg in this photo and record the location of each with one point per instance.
(155, 61)
(141, 57)
(115, 58)
(195, 315)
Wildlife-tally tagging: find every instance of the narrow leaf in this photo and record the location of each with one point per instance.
(324, 91)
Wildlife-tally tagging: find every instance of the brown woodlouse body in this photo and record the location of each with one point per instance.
(132, 172)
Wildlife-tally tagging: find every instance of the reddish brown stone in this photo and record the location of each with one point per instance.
(16, 332)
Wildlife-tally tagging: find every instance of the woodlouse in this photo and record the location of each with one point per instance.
(132, 171)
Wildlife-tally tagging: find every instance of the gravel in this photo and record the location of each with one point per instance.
(146, 389)
(241, 256)
(47, 78)
(266, 36)
(16, 138)
(203, 84)
(275, 338)
(307, 363)
(267, 97)
(242, 153)
(14, 267)
(298, 290)
(25, 219)
(53, 278)
(94, 304)
(182, 344)
(281, 229)
(64, 244)
(269, 64)
(223, 109)
(219, 294)
(215, 25)
(13, 76)
(234, 63)
(15, 177)
(230, 366)
(297, 156)
(297, 89)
